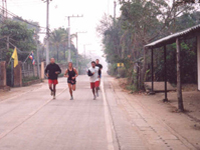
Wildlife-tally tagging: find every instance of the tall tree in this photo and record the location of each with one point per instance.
(56, 40)
(59, 41)
(141, 22)
(18, 34)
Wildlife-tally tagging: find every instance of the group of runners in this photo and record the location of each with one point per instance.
(94, 72)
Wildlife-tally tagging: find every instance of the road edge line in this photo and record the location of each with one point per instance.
(107, 120)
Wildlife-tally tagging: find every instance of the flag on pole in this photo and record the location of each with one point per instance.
(31, 56)
(33, 62)
(15, 57)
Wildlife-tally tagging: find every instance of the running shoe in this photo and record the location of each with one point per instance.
(97, 94)
(71, 98)
(54, 97)
(94, 98)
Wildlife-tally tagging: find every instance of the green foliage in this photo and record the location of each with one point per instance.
(28, 79)
(122, 72)
(140, 23)
(132, 88)
(19, 35)
(188, 61)
(61, 75)
(83, 64)
(59, 45)
(112, 69)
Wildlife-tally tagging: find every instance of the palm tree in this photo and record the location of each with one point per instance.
(56, 40)
(65, 40)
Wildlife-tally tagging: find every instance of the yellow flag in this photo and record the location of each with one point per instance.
(15, 57)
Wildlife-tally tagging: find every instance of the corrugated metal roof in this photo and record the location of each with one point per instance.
(172, 38)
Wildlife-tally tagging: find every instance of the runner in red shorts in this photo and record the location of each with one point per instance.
(94, 79)
(52, 71)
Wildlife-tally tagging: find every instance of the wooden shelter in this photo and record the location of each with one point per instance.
(176, 38)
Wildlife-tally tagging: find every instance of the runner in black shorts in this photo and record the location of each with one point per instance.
(71, 74)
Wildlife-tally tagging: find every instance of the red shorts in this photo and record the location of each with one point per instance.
(53, 81)
(94, 84)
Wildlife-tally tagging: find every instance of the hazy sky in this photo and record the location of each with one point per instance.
(92, 10)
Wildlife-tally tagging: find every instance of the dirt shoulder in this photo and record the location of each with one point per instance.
(185, 125)
(15, 92)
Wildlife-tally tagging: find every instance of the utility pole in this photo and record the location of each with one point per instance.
(3, 10)
(77, 47)
(47, 43)
(69, 36)
(84, 46)
(115, 5)
(77, 50)
(38, 59)
(6, 9)
(47, 33)
(84, 51)
(69, 40)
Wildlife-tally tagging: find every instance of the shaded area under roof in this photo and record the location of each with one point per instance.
(172, 38)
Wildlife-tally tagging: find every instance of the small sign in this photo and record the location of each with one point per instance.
(120, 64)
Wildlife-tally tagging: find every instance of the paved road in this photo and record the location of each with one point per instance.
(33, 121)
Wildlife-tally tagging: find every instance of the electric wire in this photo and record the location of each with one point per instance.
(19, 18)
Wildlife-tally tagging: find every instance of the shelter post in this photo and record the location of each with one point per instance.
(165, 72)
(179, 86)
(152, 72)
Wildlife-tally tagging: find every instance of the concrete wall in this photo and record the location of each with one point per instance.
(2, 74)
(42, 70)
(18, 75)
(198, 60)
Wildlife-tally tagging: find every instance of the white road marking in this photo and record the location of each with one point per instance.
(107, 120)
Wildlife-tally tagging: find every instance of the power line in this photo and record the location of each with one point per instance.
(24, 2)
(20, 51)
(19, 18)
(12, 3)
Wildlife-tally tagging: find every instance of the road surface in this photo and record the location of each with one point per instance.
(31, 120)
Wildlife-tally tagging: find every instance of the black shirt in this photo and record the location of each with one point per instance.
(51, 69)
(100, 67)
(71, 74)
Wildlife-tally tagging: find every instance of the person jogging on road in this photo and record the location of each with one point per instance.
(52, 71)
(100, 70)
(93, 72)
(71, 74)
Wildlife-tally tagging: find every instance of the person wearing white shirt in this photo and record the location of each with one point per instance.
(94, 79)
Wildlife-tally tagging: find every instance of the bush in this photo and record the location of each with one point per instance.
(132, 88)
(61, 75)
(112, 69)
(122, 72)
(27, 79)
